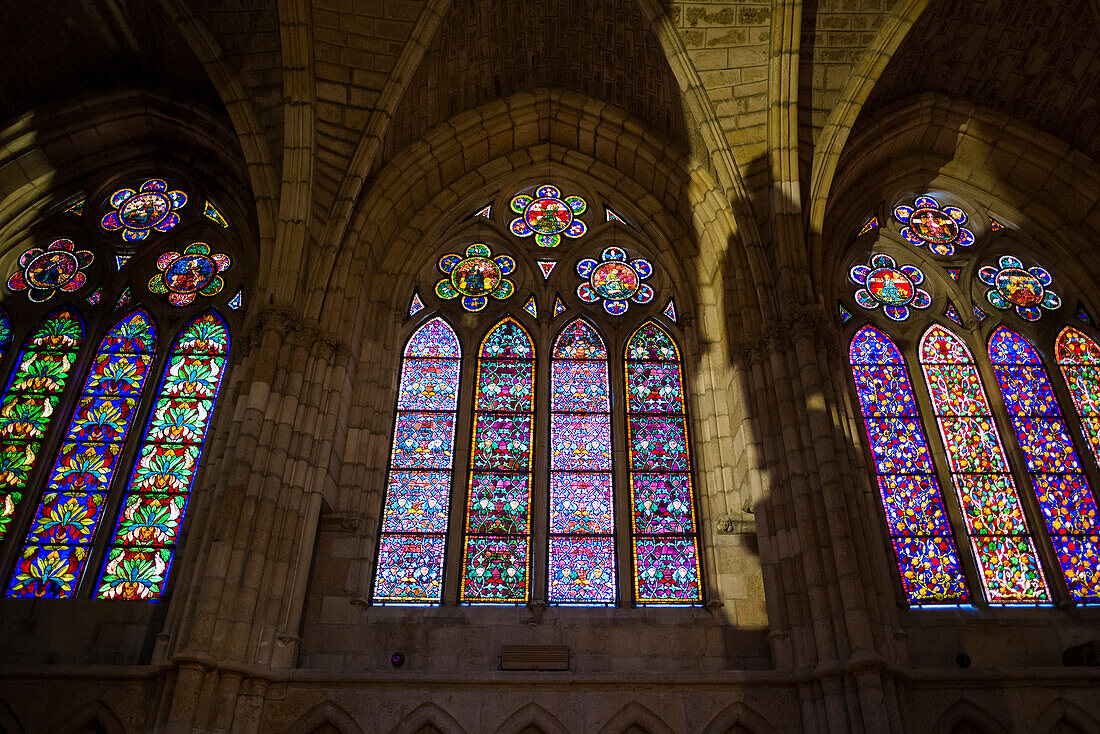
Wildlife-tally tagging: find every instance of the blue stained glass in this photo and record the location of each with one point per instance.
(665, 547)
(580, 441)
(1061, 488)
(582, 547)
(417, 503)
(143, 545)
(928, 562)
(69, 511)
(428, 384)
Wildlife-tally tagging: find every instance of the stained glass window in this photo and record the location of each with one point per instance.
(5, 332)
(30, 401)
(582, 524)
(1078, 356)
(496, 554)
(139, 557)
(418, 493)
(1064, 494)
(995, 522)
(923, 546)
(56, 548)
(664, 531)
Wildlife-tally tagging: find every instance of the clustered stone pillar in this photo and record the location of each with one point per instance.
(239, 598)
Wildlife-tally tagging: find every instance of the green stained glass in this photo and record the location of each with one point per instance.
(496, 565)
(29, 404)
(147, 529)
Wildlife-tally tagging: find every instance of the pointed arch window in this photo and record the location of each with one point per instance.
(582, 522)
(924, 548)
(1078, 356)
(664, 531)
(55, 552)
(496, 563)
(1008, 563)
(1065, 497)
(140, 553)
(418, 494)
(31, 400)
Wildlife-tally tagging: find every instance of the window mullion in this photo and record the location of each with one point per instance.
(942, 469)
(620, 468)
(1018, 462)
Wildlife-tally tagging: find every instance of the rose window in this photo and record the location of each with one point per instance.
(887, 285)
(1013, 286)
(44, 272)
(150, 207)
(195, 272)
(614, 280)
(939, 228)
(548, 216)
(475, 277)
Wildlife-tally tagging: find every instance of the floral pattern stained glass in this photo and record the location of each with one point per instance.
(29, 403)
(496, 559)
(65, 523)
(664, 531)
(418, 493)
(995, 522)
(582, 524)
(911, 500)
(1065, 497)
(146, 533)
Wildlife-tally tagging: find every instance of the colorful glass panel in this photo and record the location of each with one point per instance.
(417, 502)
(147, 531)
(663, 527)
(582, 523)
(28, 406)
(1066, 500)
(1078, 356)
(911, 501)
(496, 567)
(70, 508)
(995, 523)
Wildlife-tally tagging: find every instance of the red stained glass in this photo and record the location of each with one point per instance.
(995, 523)
(1078, 357)
(666, 549)
(928, 561)
(496, 565)
(1066, 500)
(417, 502)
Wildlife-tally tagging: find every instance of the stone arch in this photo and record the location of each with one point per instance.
(324, 718)
(934, 140)
(94, 717)
(634, 718)
(1065, 717)
(428, 718)
(738, 718)
(838, 126)
(966, 717)
(530, 719)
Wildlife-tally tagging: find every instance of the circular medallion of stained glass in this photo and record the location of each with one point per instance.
(615, 280)
(890, 286)
(145, 210)
(933, 225)
(1020, 287)
(475, 276)
(548, 216)
(52, 269)
(190, 273)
